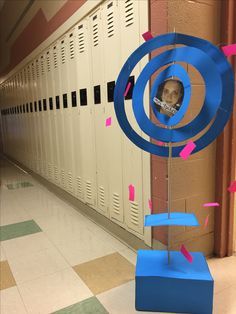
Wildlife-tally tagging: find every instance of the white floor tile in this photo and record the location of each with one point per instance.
(2, 253)
(120, 299)
(11, 216)
(83, 248)
(225, 301)
(11, 302)
(129, 254)
(26, 245)
(51, 293)
(37, 264)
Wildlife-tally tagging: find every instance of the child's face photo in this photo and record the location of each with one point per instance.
(169, 97)
(171, 93)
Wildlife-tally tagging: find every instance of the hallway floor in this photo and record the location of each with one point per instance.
(55, 260)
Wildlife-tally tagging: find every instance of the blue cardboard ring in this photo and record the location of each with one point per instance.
(221, 116)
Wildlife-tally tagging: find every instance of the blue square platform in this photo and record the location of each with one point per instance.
(180, 287)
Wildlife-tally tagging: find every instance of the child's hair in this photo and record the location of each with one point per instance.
(161, 87)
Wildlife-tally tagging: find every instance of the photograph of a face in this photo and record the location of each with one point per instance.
(169, 97)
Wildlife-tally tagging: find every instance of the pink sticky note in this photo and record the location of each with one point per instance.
(229, 50)
(131, 192)
(211, 204)
(150, 205)
(147, 36)
(186, 253)
(206, 221)
(127, 89)
(187, 150)
(232, 187)
(108, 121)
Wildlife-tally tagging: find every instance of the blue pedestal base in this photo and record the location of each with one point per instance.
(180, 287)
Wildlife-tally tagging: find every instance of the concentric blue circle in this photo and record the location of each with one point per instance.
(219, 85)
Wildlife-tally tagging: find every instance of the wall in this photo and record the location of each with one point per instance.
(192, 181)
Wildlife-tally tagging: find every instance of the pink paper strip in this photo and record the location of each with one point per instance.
(131, 192)
(187, 150)
(229, 50)
(160, 143)
(150, 205)
(186, 253)
(147, 36)
(206, 221)
(127, 89)
(232, 187)
(211, 204)
(108, 121)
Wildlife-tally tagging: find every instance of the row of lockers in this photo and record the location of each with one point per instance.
(54, 113)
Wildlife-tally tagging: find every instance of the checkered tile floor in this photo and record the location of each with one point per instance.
(55, 260)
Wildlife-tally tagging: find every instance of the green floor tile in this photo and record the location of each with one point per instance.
(19, 229)
(88, 306)
(18, 185)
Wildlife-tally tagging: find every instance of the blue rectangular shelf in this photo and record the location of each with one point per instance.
(176, 219)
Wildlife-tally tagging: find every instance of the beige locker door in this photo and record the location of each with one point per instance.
(66, 105)
(38, 90)
(35, 116)
(100, 130)
(51, 63)
(59, 112)
(86, 112)
(45, 133)
(52, 149)
(130, 15)
(111, 64)
(73, 97)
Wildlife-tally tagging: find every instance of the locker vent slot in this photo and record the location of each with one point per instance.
(40, 105)
(73, 99)
(134, 213)
(116, 203)
(55, 59)
(35, 106)
(27, 107)
(49, 171)
(31, 107)
(65, 104)
(63, 56)
(48, 63)
(72, 50)
(130, 92)
(129, 12)
(63, 177)
(81, 42)
(44, 104)
(56, 173)
(37, 68)
(110, 91)
(23, 108)
(97, 94)
(83, 97)
(33, 72)
(42, 65)
(50, 103)
(110, 24)
(70, 183)
(101, 196)
(57, 102)
(79, 185)
(95, 35)
(89, 190)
